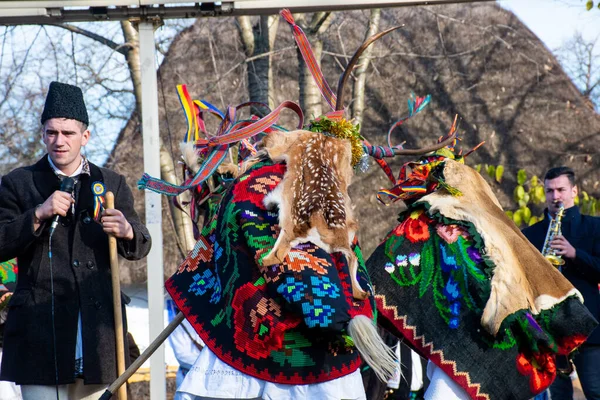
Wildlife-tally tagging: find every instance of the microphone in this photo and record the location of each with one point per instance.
(67, 185)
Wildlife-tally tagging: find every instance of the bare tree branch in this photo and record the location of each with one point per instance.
(121, 48)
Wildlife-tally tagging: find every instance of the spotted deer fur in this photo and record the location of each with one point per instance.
(313, 196)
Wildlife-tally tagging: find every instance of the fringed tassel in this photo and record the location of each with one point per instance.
(453, 191)
(372, 348)
(143, 181)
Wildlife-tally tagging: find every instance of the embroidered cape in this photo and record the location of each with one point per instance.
(285, 323)
(461, 283)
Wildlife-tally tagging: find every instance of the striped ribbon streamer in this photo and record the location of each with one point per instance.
(219, 146)
(206, 106)
(324, 88)
(371, 150)
(251, 130)
(408, 186)
(415, 105)
(309, 59)
(189, 110)
(399, 193)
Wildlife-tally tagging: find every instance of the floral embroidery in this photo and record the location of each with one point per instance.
(449, 233)
(205, 281)
(401, 260)
(291, 290)
(441, 259)
(323, 287)
(568, 344)
(300, 258)
(415, 228)
(255, 185)
(317, 313)
(540, 368)
(389, 267)
(414, 259)
(447, 261)
(258, 322)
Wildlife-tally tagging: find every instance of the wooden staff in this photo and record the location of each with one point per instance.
(116, 288)
(143, 357)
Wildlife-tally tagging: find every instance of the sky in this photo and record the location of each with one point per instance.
(555, 21)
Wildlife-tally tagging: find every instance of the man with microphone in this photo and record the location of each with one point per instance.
(59, 339)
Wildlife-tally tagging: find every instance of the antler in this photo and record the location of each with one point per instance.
(425, 150)
(449, 139)
(380, 152)
(339, 104)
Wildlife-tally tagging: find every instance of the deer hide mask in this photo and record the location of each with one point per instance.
(313, 200)
(522, 277)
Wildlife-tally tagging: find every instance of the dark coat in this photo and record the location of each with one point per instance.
(81, 278)
(583, 232)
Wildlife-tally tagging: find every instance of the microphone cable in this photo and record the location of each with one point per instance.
(67, 185)
(52, 315)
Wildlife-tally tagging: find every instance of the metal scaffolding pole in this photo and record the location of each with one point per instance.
(150, 132)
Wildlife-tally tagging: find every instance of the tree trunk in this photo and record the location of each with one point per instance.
(133, 62)
(358, 103)
(310, 96)
(257, 40)
(182, 224)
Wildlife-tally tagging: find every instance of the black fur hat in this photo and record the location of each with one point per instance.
(65, 101)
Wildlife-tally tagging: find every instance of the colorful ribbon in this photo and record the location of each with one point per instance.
(99, 190)
(309, 59)
(216, 146)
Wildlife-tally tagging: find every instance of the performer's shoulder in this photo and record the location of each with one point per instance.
(109, 174)
(532, 228)
(20, 173)
(591, 220)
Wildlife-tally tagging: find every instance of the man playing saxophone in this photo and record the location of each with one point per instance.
(576, 239)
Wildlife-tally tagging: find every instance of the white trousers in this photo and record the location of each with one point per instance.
(74, 391)
(442, 387)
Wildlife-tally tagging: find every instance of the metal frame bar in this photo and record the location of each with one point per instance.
(150, 130)
(55, 12)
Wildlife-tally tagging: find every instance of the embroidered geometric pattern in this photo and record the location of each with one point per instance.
(323, 287)
(274, 314)
(202, 283)
(317, 314)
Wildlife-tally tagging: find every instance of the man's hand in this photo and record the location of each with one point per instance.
(563, 247)
(57, 204)
(114, 223)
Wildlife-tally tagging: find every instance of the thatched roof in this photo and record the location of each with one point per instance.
(477, 61)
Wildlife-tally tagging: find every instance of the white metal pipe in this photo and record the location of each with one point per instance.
(316, 4)
(70, 3)
(18, 12)
(151, 138)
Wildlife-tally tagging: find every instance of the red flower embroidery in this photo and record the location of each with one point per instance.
(415, 228)
(258, 322)
(568, 344)
(540, 368)
(255, 186)
(449, 233)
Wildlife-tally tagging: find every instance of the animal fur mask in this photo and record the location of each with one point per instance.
(522, 278)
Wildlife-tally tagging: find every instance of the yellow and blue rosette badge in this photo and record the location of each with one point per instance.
(99, 191)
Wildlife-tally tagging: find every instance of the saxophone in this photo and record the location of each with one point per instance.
(554, 230)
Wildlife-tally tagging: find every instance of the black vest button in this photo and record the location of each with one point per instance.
(76, 263)
(90, 265)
